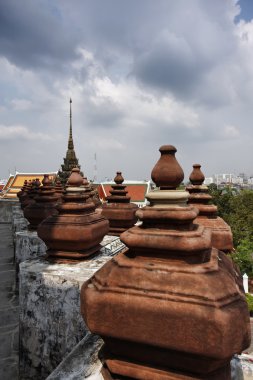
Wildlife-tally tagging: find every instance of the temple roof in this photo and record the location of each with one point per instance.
(136, 190)
(15, 182)
(8, 183)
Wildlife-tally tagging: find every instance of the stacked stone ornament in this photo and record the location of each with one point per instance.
(44, 204)
(58, 190)
(88, 190)
(23, 189)
(25, 197)
(200, 198)
(92, 192)
(77, 231)
(118, 209)
(168, 307)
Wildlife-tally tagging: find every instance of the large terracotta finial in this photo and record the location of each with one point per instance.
(75, 178)
(167, 173)
(196, 176)
(157, 303)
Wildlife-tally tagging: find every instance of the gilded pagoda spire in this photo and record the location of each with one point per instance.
(70, 161)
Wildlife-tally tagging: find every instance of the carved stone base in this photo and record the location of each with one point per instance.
(116, 231)
(78, 255)
(130, 371)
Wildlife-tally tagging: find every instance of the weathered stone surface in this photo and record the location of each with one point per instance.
(8, 306)
(9, 368)
(82, 362)
(28, 246)
(6, 210)
(19, 223)
(50, 320)
(111, 245)
(17, 212)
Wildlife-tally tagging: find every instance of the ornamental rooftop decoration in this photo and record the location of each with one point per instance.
(77, 231)
(200, 198)
(168, 307)
(119, 211)
(70, 161)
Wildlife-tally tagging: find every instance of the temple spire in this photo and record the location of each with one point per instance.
(70, 142)
(70, 161)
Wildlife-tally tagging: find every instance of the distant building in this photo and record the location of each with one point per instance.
(240, 181)
(70, 161)
(208, 180)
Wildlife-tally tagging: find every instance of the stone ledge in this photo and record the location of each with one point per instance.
(50, 321)
(28, 246)
(82, 362)
(9, 368)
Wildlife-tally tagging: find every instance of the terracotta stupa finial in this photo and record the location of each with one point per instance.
(118, 179)
(167, 173)
(44, 203)
(119, 210)
(196, 176)
(222, 238)
(46, 180)
(85, 182)
(75, 178)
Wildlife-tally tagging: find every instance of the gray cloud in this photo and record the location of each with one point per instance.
(32, 34)
(141, 74)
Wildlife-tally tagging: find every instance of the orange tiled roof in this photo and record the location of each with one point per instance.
(14, 186)
(20, 178)
(137, 192)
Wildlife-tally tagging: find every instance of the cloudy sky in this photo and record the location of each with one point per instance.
(141, 73)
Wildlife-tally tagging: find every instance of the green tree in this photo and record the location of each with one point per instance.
(243, 256)
(236, 208)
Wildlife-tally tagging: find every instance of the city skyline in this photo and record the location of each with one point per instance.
(140, 74)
